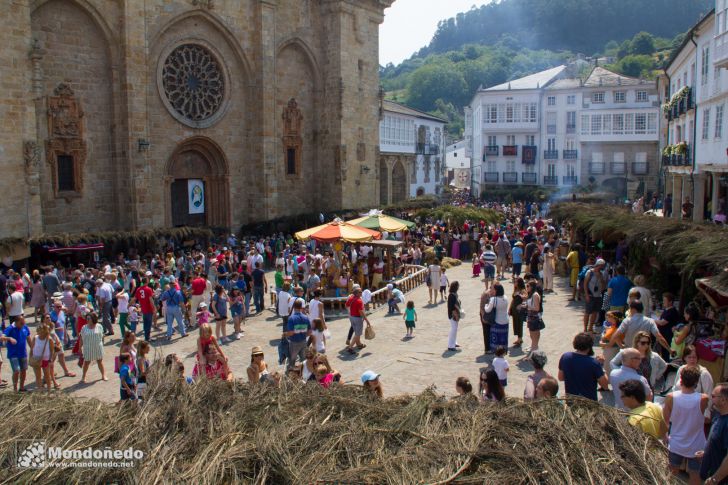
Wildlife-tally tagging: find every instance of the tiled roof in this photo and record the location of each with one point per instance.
(569, 83)
(603, 77)
(534, 81)
(406, 110)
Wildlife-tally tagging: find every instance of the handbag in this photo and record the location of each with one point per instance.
(35, 362)
(369, 333)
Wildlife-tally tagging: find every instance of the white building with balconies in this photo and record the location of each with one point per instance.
(555, 129)
(411, 156)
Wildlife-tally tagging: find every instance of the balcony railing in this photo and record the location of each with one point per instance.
(528, 177)
(619, 168)
(570, 180)
(550, 180)
(510, 150)
(490, 177)
(640, 168)
(491, 150)
(676, 160)
(510, 177)
(571, 154)
(720, 53)
(550, 154)
(596, 168)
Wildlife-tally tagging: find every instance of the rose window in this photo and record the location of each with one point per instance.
(193, 82)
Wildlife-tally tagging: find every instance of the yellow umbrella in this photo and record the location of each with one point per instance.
(338, 230)
(382, 222)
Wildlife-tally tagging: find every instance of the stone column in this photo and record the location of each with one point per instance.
(268, 113)
(677, 183)
(699, 194)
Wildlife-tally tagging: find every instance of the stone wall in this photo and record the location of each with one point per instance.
(324, 53)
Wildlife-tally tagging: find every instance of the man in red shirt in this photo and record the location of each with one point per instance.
(357, 317)
(200, 292)
(145, 296)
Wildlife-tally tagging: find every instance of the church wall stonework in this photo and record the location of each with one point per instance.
(322, 53)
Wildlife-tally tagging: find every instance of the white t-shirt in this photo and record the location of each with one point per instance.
(283, 297)
(443, 280)
(366, 296)
(318, 337)
(15, 304)
(123, 300)
(500, 365)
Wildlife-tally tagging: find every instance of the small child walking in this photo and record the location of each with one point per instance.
(134, 312)
(500, 365)
(476, 265)
(444, 283)
(319, 336)
(203, 314)
(410, 318)
(236, 311)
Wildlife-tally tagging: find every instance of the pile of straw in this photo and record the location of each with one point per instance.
(446, 262)
(214, 433)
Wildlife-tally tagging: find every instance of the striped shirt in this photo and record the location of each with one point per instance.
(488, 257)
(93, 342)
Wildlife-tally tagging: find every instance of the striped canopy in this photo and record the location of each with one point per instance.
(338, 230)
(381, 222)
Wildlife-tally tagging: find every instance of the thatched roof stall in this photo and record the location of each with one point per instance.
(683, 249)
(213, 433)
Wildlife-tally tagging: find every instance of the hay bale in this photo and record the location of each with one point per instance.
(446, 262)
(216, 433)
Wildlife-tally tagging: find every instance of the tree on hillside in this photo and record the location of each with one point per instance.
(436, 81)
(635, 66)
(642, 44)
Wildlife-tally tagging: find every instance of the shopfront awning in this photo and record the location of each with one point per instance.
(74, 248)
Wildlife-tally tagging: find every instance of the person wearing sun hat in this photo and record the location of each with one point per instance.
(258, 369)
(517, 259)
(370, 381)
(538, 359)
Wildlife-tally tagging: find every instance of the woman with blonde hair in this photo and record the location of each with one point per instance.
(43, 350)
(652, 367)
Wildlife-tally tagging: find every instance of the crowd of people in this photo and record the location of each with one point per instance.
(73, 309)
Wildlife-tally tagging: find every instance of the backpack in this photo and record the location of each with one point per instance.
(582, 273)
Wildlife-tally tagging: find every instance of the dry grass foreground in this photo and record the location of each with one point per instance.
(214, 433)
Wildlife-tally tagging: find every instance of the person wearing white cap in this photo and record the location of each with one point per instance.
(370, 381)
(594, 286)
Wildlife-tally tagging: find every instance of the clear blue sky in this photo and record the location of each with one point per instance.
(409, 25)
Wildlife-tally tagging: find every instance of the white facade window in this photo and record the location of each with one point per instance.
(618, 124)
(571, 121)
(640, 157)
(620, 97)
(642, 97)
(598, 97)
(551, 170)
(570, 170)
(492, 166)
(640, 123)
(510, 113)
(551, 143)
(607, 124)
(652, 123)
(629, 124)
(511, 166)
(570, 144)
(492, 140)
(585, 127)
(619, 157)
(551, 122)
(596, 125)
(552, 100)
(719, 122)
(597, 157)
(706, 123)
(705, 65)
(510, 139)
(530, 140)
(678, 134)
(571, 99)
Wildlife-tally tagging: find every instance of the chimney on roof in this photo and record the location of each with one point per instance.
(601, 81)
(538, 84)
(619, 81)
(509, 86)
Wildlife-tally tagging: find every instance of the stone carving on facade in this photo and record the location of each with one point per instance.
(209, 4)
(65, 134)
(36, 55)
(31, 156)
(193, 83)
(292, 133)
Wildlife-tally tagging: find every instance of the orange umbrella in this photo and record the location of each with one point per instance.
(338, 230)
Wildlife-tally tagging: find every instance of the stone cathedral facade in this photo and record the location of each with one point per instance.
(112, 109)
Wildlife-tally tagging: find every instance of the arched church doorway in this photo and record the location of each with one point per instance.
(197, 185)
(399, 183)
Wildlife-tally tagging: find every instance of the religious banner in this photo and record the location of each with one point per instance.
(196, 196)
(529, 154)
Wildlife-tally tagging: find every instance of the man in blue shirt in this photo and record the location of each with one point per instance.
(714, 465)
(580, 371)
(17, 337)
(298, 329)
(173, 312)
(618, 290)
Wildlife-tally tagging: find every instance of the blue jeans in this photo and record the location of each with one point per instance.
(147, 320)
(247, 304)
(175, 313)
(258, 298)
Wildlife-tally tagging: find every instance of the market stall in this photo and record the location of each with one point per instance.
(713, 331)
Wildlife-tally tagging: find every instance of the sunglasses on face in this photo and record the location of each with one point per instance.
(644, 343)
